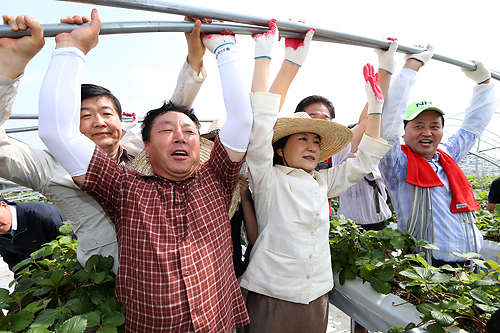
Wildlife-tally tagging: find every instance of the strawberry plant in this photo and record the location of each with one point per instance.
(54, 293)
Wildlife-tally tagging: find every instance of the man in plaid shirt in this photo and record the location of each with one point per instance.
(176, 272)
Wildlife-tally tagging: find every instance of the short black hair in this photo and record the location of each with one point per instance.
(314, 99)
(167, 106)
(277, 159)
(93, 90)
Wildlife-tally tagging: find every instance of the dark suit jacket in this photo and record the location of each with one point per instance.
(37, 223)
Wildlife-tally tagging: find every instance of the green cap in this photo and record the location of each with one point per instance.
(416, 108)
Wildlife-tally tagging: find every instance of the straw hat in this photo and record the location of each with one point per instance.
(214, 129)
(141, 164)
(334, 137)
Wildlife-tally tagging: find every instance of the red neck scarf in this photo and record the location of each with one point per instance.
(420, 173)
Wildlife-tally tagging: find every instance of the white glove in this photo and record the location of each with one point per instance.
(481, 74)
(373, 90)
(296, 49)
(127, 125)
(264, 43)
(215, 42)
(386, 59)
(423, 56)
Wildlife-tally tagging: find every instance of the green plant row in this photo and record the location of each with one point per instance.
(53, 293)
(445, 296)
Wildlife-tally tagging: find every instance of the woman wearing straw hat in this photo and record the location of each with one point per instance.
(290, 275)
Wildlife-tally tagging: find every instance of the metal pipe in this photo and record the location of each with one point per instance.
(21, 129)
(186, 10)
(112, 28)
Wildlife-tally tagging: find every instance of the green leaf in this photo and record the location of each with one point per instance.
(451, 305)
(492, 264)
(336, 267)
(398, 242)
(73, 325)
(46, 318)
(38, 330)
(440, 278)
(386, 274)
(487, 308)
(76, 305)
(107, 329)
(380, 286)
(411, 274)
(424, 273)
(349, 274)
(93, 319)
(427, 308)
(114, 318)
(435, 328)
(442, 318)
(21, 320)
(465, 300)
(483, 282)
(465, 255)
(98, 277)
(480, 296)
(396, 329)
(4, 295)
(66, 227)
(44, 290)
(21, 264)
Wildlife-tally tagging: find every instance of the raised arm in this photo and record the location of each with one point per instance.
(16, 53)
(483, 102)
(295, 54)
(386, 67)
(375, 102)
(59, 105)
(397, 98)
(235, 133)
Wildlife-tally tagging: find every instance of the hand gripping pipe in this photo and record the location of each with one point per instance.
(320, 34)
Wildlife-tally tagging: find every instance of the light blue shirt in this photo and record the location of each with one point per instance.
(448, 233)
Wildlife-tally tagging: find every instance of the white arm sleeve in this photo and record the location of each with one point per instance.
(396, 103)
(481, 109)
(235, 133)
(59, 111)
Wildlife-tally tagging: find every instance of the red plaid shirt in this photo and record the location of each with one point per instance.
(176, 272)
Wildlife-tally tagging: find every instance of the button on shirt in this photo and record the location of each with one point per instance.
(176, 272)
(449, 234)
(291, 258)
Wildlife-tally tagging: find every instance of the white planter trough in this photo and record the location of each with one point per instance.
(490, 251)
(374, 311)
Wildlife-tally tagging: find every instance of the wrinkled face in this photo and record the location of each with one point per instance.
(174, 146)
(301, 151)
(318, 111)
(424, 133)
(99, 121)
(5, 218)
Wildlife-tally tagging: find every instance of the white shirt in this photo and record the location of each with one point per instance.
(291, 258)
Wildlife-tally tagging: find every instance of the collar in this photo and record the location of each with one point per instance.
(288, 170)
(13, 210)
(123, 157)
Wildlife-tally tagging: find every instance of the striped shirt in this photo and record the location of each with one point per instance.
(449, 234)
(176, 272)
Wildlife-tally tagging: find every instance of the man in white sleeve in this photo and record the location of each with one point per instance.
(176, 271)
(40, 171)
(430, 193)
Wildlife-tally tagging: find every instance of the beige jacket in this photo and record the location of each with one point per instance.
(40, 171)
(291, 258)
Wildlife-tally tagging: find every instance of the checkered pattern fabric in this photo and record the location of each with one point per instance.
(176, 272)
